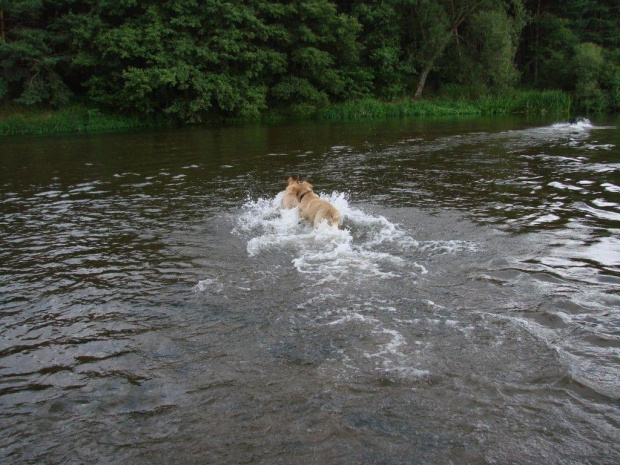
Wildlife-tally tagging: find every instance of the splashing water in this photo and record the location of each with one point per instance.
(576, 124)
(327, 252)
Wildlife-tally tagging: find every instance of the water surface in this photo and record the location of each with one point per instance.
(157, 305)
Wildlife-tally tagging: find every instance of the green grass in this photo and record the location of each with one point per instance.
(371, 108)
(16, 120)
(548, 101)
(536, 102)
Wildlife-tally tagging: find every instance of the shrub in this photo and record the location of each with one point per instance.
(587, 66)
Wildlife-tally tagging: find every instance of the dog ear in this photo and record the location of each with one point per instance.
(298, 181)
(289, 181)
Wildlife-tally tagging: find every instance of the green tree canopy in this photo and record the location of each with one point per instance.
(194, 60)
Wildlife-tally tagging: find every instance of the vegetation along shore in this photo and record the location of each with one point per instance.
(84, 65)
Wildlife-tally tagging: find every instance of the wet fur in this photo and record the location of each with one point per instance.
(289, 200)
(313, 208)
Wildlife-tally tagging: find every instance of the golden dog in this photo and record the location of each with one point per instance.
(313, 208)
(290, 194)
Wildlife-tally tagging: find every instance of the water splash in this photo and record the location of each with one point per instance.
(578, 124)
(326, 252)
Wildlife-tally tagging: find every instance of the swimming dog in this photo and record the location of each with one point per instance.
(290, 194)
(313, 208)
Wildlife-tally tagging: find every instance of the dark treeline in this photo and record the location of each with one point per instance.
(192, 60)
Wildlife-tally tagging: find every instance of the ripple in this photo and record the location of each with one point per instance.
(477, 271)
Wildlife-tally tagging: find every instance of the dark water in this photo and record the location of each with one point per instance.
(157, 306)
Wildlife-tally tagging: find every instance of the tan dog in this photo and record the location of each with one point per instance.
(313, 208)
(290, 194)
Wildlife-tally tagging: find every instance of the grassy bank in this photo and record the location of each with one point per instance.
(534, 102)
(16, 120)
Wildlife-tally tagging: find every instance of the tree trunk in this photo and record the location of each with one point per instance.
(452, 30)
(2, 25)
(430, 64)
(536, 41)
(422, 81)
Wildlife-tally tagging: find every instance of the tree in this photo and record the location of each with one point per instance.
(196, 60)
(595, 21)
(587, 65)
(610, 79)
(33, 53)
(547, 47)
(184, 58)
(322, 55)
(386, 51)
(2, 34)
(438, 22)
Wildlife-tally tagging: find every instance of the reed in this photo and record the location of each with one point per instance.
(19, 121)
(372, 108)
(548, 101)
(516, 102)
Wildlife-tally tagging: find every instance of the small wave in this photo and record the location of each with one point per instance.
(573, 135)
(209, 285)
(549, 218)
(609, 187)
(599, 213)
(574, 354)
(561, 186)
(343, 258)
(448, 247)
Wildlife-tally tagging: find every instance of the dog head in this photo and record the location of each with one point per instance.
(291, 181)
(303, 188)
(293, 185)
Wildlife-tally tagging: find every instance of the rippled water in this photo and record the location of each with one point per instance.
(158, 306)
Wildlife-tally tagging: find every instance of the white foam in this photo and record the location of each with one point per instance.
(559, 185)
(550, 218)
(352, 316)
(581, 124)
(366, 246)
(326, 252)
(448, 247)
(209, 285)
(407, 372)
(392, 347)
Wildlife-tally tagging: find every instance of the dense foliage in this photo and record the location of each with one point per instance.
(194, 60)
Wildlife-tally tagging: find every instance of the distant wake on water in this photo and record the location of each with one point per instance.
(574, 124)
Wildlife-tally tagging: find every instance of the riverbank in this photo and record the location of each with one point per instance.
(17, 120)
(535, 102)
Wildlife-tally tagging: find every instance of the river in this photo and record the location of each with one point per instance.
(158, 306)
